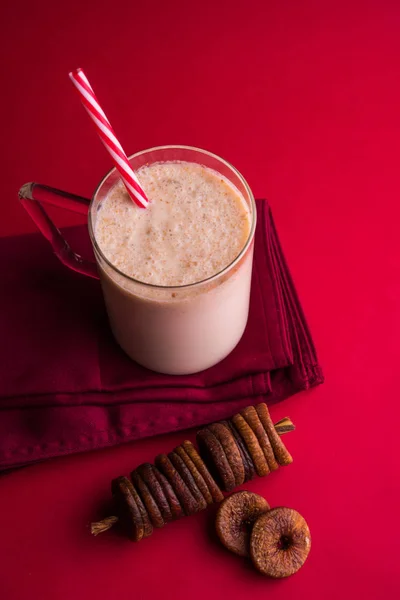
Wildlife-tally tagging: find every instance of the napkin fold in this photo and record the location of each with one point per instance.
(66, 386)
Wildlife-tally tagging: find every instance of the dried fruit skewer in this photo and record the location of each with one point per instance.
(167, 478)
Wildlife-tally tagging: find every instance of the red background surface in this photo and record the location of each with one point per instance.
(302, 97)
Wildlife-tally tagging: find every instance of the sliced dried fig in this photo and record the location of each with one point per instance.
(212, 485)
(281, 454)
(280, 542)
(199, 479)
(180, 488)
(251, 416)
(252, 445)
(146, 471)
(213, 453)
(148, 527)
(225, 437)
(188, 479)
(128, 511)
(174, 504)
(235, 519)
(249, 468)
(148, 500)
(163, 512)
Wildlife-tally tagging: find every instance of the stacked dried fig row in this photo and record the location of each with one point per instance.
(247, 444)
(186, 481)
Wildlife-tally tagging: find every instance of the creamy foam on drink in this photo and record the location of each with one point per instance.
(196, 224)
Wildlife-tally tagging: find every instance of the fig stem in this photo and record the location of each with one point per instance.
(283, 426)
(101, 526)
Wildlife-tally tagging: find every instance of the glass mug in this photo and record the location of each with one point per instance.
(176, 330)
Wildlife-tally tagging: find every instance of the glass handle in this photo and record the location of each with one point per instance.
(31, 196)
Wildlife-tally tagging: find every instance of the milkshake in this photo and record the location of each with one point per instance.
(176, 275)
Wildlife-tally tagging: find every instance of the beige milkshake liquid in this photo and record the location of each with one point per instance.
(195, 226)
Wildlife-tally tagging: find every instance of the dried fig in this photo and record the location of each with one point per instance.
(128, 511)
(280, 542)
(148, 527)
(174, 504)
(281, 454)
(212, 485)
(251, 416)
(188, 479)
(213, 453)
(152, 509)
(252, 445)
(146, 471)
(201, 484)
(235, 519)
(225, 437)
(180, 488)
(249, 469)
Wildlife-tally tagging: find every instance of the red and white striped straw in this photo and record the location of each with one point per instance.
(107, 136)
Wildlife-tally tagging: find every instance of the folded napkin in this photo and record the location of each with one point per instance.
(65, 385)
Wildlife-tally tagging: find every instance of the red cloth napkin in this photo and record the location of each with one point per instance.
(65, 385)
